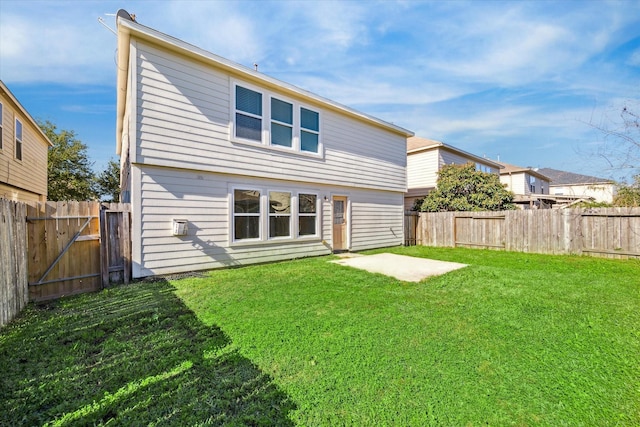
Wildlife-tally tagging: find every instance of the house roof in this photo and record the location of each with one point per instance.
(416, 144)
(128, 27)
(5, 90)
(511, 169)
(569, 178)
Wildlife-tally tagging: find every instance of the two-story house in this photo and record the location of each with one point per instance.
(531, 188)
(23, 152)
(425, 157)
(224, 165)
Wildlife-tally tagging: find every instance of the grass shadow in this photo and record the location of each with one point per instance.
(133, 355)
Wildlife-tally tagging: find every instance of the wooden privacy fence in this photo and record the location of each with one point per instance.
(606, 232)
(14, 293)
(76, 247)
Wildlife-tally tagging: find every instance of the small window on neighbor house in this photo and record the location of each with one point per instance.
(279, 214)
(246, 214)
(1, 123)
(307, 214)
(18, 139)
(309, 130)
(248, 114)
(281, 123)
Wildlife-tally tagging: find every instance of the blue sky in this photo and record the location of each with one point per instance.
(517, 80)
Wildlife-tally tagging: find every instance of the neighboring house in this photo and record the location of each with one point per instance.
(531, 188)
(226, 166)
(425, 157)
(23, 152)
(580, 186)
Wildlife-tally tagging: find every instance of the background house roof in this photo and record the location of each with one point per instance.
(416, 144)
(569, 178)
(510, 169)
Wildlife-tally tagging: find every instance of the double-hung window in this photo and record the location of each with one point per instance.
(274, 121)
(18, 132)
(281, 123)
(307, 214)
(279, 214)
(309, 130)
(1, 126)
(262, 215)
(248, 114)
(246, 214)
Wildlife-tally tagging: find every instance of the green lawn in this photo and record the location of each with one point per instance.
(513, 339)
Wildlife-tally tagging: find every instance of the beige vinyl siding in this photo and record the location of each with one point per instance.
(19, 194)
(516, 182)
(448, 158)
(183, 120)
(422, 169)
(600, 192)
(203, 199)
(376, 219)
(28, 176)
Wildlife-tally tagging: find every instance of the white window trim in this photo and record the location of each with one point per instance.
(298, 215)
(290, 215)
(16, 140)
(267, 120)
(1, 125)
(264, 239)
(232, 214)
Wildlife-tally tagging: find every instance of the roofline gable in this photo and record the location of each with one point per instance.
(23, 110)
(451, 148)
(128, 28)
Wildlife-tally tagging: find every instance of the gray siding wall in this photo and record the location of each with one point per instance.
(203, 198)
(183, 120)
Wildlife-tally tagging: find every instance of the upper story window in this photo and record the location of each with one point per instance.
(1, 126)
(248, 114)
(271, 120)
(281, 123)
(309, 130)
(483, 168)
(18, 139)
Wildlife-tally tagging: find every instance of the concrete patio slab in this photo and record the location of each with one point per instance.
(402, 267)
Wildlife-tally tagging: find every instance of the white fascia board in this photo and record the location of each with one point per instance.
(129, 28)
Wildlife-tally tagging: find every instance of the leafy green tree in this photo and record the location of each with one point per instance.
(463, 188)
(628, 195)
(108, 182)
(70, 176)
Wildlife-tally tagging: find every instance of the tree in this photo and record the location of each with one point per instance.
(69, 170)
(621, 145)
(628, 195)
(463, 188)
(108, 182)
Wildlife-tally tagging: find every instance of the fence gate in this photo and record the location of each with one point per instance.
(65, 252)
(115, 250)
(410, 227)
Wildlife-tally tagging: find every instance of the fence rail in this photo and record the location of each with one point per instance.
(605, 232)
(14, 291)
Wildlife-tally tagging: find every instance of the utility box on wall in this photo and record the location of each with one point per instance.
(180, 227)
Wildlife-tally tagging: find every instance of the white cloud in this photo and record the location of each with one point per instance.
(50, 49)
